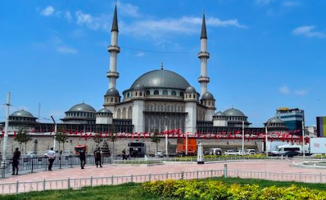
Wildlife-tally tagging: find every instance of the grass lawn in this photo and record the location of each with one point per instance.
(132, 191)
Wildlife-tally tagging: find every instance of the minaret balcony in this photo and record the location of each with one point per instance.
(203, 55)
(203, 79)
(111, 74)
(114, 49)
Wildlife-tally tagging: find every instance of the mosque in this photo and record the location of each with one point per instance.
(159, 99)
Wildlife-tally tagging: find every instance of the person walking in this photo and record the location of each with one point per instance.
(51, 157)
(82, 156)
(98, 157)
(15, 161)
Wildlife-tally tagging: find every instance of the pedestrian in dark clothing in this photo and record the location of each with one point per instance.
(15, 162)
(98, 157)
(82, 156)
(51, 157)
(124, 157)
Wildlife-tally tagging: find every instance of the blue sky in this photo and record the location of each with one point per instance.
(265, 54)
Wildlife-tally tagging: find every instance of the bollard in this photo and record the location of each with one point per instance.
(211, 173)
(149, 177)
(32, 165)
(91, 181)
(197, 175)
(68, 183)
(167, 175)
(17, 187)
(182, 175)
(131, 178)
(265, 175)
(112, 180)
(43, 184)
(225, 170)
(320, 178)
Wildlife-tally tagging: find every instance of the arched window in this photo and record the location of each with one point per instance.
(194, 96)
(111, 99)
(128, 94)
(156, 92)
(173, 93)
(165, 92)
(181, 94)
(148, 93)
(140, 94)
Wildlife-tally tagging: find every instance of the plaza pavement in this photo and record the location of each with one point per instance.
(117, 170)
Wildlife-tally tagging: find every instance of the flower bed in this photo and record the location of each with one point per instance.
(210, 189)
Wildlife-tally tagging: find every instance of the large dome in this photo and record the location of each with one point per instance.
(21, 113)
(82, 107)
(234, 112)
(161, 79)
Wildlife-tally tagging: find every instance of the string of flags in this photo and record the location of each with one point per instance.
(287, 136)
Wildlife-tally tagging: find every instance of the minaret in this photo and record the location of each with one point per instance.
(203, 55)
(113, 49)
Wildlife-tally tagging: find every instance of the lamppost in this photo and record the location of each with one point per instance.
(242, 153)
(55, 132)
(266, 137)
(303, 150)
(166, 137)
(5, 139)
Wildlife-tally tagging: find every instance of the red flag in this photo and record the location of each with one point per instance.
(15, 134)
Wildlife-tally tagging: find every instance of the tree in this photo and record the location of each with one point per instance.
(23, 137)
(156, 139)
(61, 136)
(113, 138)
(98, 138)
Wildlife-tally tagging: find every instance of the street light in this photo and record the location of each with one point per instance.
(266, 137)
(242, 153)
(5, 139)
(166, 137)
(303, 150)
(55, 132)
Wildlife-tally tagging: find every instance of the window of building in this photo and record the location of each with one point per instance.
(140, 94)
(181, 94)
(156, 92)
(148, 93)
(173, 93)
(111, 99)
(165, 92)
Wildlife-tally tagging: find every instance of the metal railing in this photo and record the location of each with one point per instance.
(27, 165)
(77, 183)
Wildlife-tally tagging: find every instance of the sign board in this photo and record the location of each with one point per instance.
(317, 145)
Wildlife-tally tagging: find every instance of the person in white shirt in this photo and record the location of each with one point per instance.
(51, 158)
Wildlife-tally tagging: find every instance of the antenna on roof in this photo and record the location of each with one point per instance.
(162, 66)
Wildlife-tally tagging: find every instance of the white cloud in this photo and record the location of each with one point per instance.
(284, 89)
(140, 54)
(308, 31)
(48, 11)
(183, 25)
(68, 16)
(66, 50)
(263, 2)
(290, 4)
(128, 9)
(92, 22)
(301, 92)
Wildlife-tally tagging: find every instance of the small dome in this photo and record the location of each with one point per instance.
(112, 92)
(82, 107)
(104, 110)
(234, 112)
(219, 113)
(275, 120)
(22, 113)
(207, 96)
(190, 89)
(139, 87)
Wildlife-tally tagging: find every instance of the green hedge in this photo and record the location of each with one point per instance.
(210, 189)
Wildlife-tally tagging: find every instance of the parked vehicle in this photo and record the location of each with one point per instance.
(137, 149)
(30, 154)
(282, 150)
(159, 154)
(291, 153)
(250, 152)
(232, 152)
(181, 147)
(215, 151)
